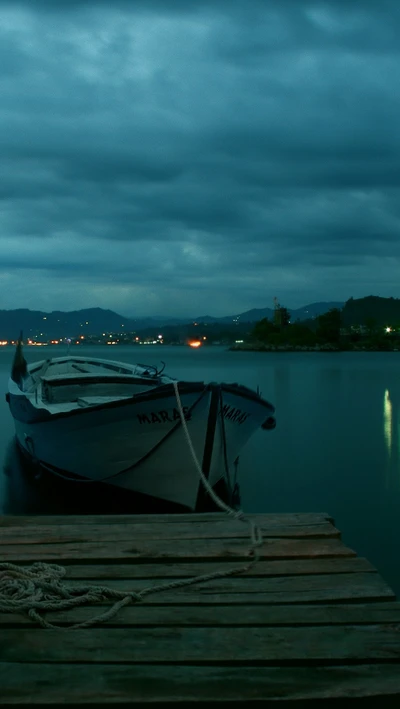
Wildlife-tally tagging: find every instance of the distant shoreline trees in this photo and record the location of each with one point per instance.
(371, 323)
(325, 329)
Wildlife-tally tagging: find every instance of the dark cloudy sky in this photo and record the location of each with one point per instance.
(198, 156)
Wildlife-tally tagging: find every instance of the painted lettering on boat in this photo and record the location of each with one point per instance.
(234, 415)
(164, 416)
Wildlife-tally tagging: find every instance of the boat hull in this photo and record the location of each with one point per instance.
(140, 443)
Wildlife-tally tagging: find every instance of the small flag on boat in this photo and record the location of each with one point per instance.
(19, 368)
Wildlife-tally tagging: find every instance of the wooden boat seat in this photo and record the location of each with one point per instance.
(85, 401)
(77, 376)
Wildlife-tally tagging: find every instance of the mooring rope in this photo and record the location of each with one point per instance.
(255, 531)
(41, 587)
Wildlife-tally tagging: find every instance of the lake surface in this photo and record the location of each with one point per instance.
(336, 447)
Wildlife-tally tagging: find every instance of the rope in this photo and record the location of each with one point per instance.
(40, 588)
(256, 535)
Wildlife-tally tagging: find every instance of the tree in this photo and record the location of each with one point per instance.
(328, 328)
(281, 317)
(371, 325)
(284, 317)
(299, 334)
(263, 330)
(383, 310)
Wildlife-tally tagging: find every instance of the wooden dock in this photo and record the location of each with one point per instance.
(309, 624)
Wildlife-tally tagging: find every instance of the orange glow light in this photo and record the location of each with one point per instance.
(195, 343)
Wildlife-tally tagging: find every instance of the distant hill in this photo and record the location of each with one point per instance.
(380, 311)
(306, 313)
(253, 315)
(315, 309)
(250, 316)
(61, 324)
(92, 321)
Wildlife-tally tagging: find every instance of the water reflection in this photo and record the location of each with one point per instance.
(388, 421)
(391, 423)
(18, 493)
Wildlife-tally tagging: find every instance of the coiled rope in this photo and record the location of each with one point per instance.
(41, 588)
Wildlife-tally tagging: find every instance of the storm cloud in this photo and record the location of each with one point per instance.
(174, 157)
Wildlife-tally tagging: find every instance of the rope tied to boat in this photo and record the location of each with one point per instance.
(41, 587)
(255, 531)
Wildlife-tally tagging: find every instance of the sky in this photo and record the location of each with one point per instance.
(193, 157)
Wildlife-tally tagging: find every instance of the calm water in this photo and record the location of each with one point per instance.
(336, 447)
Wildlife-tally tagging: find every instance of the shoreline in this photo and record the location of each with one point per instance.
(305, 348)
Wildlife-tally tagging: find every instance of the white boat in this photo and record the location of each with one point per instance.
(106, 421)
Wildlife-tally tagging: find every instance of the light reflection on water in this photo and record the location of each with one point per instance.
(391, 423)
(388, 421)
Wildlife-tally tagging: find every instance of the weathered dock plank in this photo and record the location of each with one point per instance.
(172, 570)
(309, 622)
(203, 645)
(246, 615)
(221, 549)
(122, 533)
(291, 589)
(282, 519)
(82, 685)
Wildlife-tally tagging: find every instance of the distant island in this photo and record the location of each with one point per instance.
(365, 324)
(370, 323)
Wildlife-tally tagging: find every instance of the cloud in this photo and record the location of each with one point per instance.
(184, 157)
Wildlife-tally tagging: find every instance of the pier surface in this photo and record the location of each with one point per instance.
(309, 624)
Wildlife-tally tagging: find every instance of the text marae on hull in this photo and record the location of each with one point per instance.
(117, 423)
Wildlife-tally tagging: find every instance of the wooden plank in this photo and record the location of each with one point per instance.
(125, 532)
(95, 685)
(301, 518)
(232, 549)
(361, 643)
(247, 615)
(278, 591)
(285, 589)
(291, 567)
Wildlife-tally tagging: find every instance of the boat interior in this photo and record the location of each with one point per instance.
(61, 366)
(85, 382)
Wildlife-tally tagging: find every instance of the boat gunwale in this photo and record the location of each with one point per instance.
(97, 378)
(35, 366)
(40, 414)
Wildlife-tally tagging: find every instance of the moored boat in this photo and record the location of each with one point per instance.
(107, 421)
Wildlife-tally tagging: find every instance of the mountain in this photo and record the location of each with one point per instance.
(94, 321)
(252, 315)
(314, 309)
(306, 313)
(373, 311)
(57, 324)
